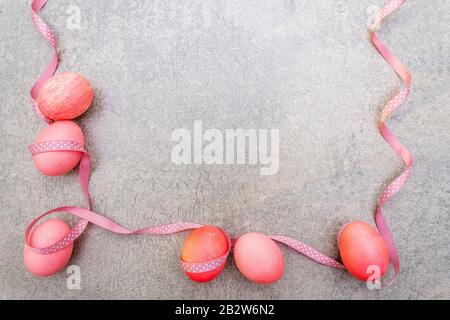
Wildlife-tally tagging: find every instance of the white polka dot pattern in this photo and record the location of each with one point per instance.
(339, 236)
(390, 7)
(385, 11)
(308, 251)
(74, 233)
(87, 215)
(394, 187)
(55, 145)
(199, 267)
(404, 154)
(78, 229)
(203, 266)
(43, 29)
(168, 228)
(395, 103)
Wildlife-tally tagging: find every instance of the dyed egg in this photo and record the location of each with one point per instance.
(44, 235)
(361, 247)
(59, 162)
(204, 244)
(259, 258)
(65, 96)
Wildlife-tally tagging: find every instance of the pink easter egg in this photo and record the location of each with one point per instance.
(65, 96)
(59, 162)
(205, 244)
(259, 258)
(44, 235)
(363, 249)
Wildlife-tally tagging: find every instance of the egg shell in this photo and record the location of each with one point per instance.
(60, 162)
(259, 258)
(204, 244)
(65, 96)
(44, 235)
(361, 246)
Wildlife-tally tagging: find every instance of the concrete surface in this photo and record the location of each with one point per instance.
(304, 67)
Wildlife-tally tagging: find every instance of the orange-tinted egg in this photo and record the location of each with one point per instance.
(60, 162)
(44, 235)
(204, 244)
(363, 249)
(65, 96)
(259, 258)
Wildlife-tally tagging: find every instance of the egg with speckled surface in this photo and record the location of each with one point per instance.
(65, 96)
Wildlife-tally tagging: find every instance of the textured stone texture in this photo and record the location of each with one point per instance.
(304, 67)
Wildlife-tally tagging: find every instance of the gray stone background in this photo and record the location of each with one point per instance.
(304, 67)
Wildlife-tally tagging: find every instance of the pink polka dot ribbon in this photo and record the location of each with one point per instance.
(55, 145)
(59, 145)
(68, 145)
(308, 251)
(403, 153)
(339, 236)
(200, 267)
(45, 31)
(88, 216)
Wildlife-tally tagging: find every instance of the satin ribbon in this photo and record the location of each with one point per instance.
(87, 215)
(402, 152)
(43, 28)
(68, 145)
(108, 224)
(84, 168)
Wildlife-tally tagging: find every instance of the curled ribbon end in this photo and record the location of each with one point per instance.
(404, 154)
